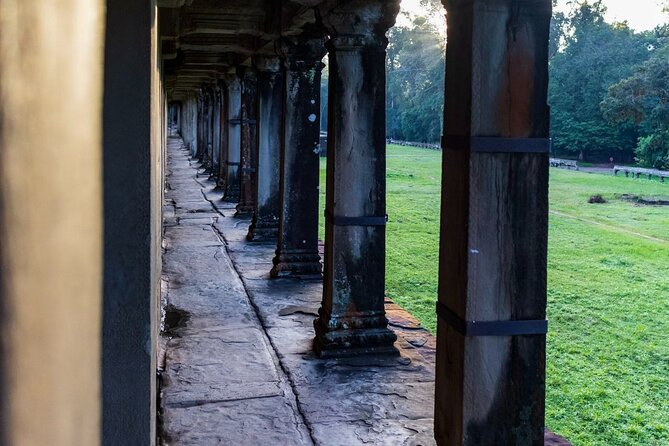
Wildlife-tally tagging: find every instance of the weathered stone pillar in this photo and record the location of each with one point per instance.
(249, 115)
(234, 94)
(216, 133)
(297, 246)
(208, 122)
(132, 119)
(200, 143)
(352, 317)
(51, 57)
(490, 378)
(192, 125)
(265, 223)
(223, 136)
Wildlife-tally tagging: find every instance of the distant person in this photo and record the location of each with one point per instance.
(611, 161)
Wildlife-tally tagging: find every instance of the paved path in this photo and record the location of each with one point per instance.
(236, 362)
(221, 383)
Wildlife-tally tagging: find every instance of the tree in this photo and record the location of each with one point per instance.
(590, 56)
(415, 78)
(642, 100)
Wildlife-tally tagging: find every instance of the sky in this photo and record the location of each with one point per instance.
(640, 14)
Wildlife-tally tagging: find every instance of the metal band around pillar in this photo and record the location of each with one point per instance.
(248, 169)
(356, 221)
(241, 121)
(232, 163)
(491, 328)
(491, 144)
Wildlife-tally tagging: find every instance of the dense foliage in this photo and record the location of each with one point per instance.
(642, 100)
(607, 88)
(415, 77)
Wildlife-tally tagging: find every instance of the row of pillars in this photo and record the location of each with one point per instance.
(256, 132)
(77, 357)
(490, 382)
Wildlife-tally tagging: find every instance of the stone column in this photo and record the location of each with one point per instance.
(491, 357)
(223, 137)
(265, 223)
(216, 134)
(352, 317)
(231, 177)
(200, 143)
(212, 130)
(208, 129)
(132, 118)
(297, 246)
(192, 125)
(50, 242)
(249, 116)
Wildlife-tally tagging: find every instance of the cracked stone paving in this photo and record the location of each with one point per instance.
(236, 365)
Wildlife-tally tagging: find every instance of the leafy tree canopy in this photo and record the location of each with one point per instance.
(588, 56)
(642, 100)
(415, 77)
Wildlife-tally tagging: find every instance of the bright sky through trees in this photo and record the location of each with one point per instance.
(640, 14)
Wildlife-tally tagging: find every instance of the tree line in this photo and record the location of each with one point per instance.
(609, 88)
(608, 91)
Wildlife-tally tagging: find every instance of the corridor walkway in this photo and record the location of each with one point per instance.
(236, 365)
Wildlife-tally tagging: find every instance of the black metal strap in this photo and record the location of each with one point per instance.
(356, 221)
(241, 121)
(248, 169)
(487, 144)
(232, 163)
(491, 328)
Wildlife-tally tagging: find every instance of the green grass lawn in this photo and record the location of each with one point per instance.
(608, 294)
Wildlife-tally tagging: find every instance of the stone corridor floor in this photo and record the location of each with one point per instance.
(235, 360)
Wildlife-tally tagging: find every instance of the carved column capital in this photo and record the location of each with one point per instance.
(232, 82)
(267, 64)
(358, 24)
(303, 52)
(247, 74)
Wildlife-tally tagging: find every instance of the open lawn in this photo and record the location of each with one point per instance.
(608, 294)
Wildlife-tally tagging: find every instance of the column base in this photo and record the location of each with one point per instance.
(244, 210)
(213, 175)
(231, 194)
(263, 231)
(300, 264)
(372, 338)
(205, 165)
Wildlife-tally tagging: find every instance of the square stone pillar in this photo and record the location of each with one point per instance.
(213, 131)
(51, 258)
(265, 223)
(352, 317)
(234, 98)
(249, 116)
(491, 357)
(223, 136)
(297, 246)
(132, 119)
(209, 128)
(200, 142)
